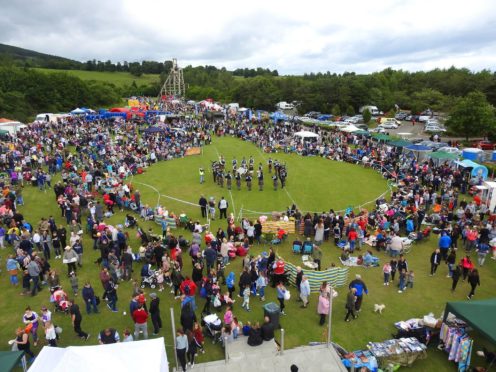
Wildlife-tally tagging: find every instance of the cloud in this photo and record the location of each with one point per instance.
(292, 37)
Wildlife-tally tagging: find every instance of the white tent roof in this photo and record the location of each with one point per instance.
(13, 126)
(349, 128)
(306, 134)
(114, 357)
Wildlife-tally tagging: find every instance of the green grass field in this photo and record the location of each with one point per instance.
(117, 78)
(341, 185)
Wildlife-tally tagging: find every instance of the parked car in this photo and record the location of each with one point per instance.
(401, 115)
(484, 145)
(379, 129)
(451, 150)
(389, 125)
(433, 145)
(434, 128)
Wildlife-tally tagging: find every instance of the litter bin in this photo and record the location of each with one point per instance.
(273, 311)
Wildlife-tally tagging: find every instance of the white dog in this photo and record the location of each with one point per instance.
(379, 308)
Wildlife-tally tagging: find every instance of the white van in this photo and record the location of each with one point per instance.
(285, 106)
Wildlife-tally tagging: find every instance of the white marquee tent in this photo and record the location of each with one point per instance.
(349, 128)
(306, 134)
(146, 355)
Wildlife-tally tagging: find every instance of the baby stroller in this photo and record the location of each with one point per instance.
(148, 276)
(150, 280)
(212, 327)
(59, 298)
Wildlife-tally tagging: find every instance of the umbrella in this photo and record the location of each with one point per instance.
(400, 143)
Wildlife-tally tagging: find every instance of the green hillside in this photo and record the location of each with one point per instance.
(117, 78)
(28, 57)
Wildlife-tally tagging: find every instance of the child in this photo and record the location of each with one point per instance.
(394, 267)
(128, 337)
(246, 329)
(198, 334)
(410, 279)
(386, 269)
(402, 285)
(74, 283)
(160, 280)
(236, 327)
(261, 283)
(26, 285)
(246, 298)
(50, 334)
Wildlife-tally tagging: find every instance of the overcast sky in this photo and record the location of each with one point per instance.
(292, 37)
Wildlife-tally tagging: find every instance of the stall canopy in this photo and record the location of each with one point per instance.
(10, 359)
(78, 111)
(478, 170)
(349, 128)
(400, 143)
(306, 134)
(146, 355)
(478, 314)
(418, 148)
(441, 155)
(381, 137)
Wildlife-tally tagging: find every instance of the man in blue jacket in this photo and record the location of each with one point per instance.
(360, 287)
(444, 245)
(210, 256)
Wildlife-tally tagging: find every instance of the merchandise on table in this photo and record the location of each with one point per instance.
(361, 359)
(403, 351)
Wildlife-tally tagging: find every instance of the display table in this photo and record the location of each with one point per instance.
(403, 351)
(360, 359)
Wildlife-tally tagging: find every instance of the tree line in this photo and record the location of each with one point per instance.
(26, 92)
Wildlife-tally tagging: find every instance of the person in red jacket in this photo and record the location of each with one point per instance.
(467, 265)
(352, 238)
(188, 287)
(140, 317)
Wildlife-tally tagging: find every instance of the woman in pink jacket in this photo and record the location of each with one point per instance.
(323, 307)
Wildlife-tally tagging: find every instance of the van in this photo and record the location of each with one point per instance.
(374, 111)
(285, 106)
(388, 121)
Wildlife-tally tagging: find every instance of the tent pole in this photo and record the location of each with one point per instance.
(329, 320)
(174, 337)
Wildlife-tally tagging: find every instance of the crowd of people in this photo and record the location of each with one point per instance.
(94, 184)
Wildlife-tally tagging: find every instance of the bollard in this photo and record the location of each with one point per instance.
(329, 320)
(226, 355)
(174, 337)
(282, 341)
